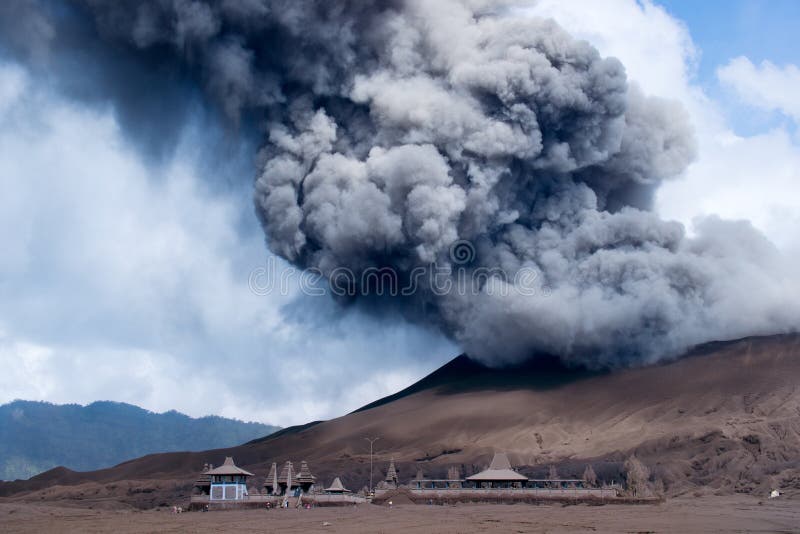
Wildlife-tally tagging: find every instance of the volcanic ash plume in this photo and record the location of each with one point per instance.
(396, 132)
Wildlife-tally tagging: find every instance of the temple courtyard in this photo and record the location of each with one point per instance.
(685, 514)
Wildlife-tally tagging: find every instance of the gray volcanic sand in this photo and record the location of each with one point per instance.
(707, 514)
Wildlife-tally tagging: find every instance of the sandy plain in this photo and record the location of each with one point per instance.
(707, 514)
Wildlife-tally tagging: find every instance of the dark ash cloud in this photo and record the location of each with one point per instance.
(394, 129)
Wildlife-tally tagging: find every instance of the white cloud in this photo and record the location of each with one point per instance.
(755, 178)
(742, 177)
(766, 86)
(24, 369)
(12, 84)
(655, 48)
(127, 281)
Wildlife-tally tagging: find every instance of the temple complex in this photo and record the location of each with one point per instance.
(226, 487)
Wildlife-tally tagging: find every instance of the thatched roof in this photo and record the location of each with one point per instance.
(204, 479)
(337, 487)
(499, 471)
(391, 473)
(305, 476)
(272, 477)
(229, 468)
(500, 461)
(287, 472)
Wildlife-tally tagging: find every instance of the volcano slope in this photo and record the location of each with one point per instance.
(723, 419)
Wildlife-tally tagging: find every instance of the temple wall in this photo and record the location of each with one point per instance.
(198, 502)
(505, 496)
(509, 492)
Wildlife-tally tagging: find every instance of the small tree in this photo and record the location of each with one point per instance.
(636, 475)
(589, 476)
(453, 473)
(553, 474)
(659, 489)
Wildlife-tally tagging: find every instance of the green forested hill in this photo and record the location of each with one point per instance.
(37, 436)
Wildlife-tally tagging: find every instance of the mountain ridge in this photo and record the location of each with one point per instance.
(36, 436)
(724, 419)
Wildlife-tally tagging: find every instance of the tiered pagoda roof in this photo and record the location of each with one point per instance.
(228, 468)
(273, 473)
(271, 481)
(391, 473)
(204, 480)
(337, 487)
(287, 472)
(499, 471)
(305, 476)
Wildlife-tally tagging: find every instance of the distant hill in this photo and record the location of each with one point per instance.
(37, 436)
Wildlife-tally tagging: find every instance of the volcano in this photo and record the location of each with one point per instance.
(724, 418)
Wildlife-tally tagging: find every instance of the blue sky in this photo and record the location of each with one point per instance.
(724, 29)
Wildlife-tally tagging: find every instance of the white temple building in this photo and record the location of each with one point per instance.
(228, 482)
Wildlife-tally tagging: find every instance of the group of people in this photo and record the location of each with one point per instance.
(285, 504)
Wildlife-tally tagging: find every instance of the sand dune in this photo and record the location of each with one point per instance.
(722, 420)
